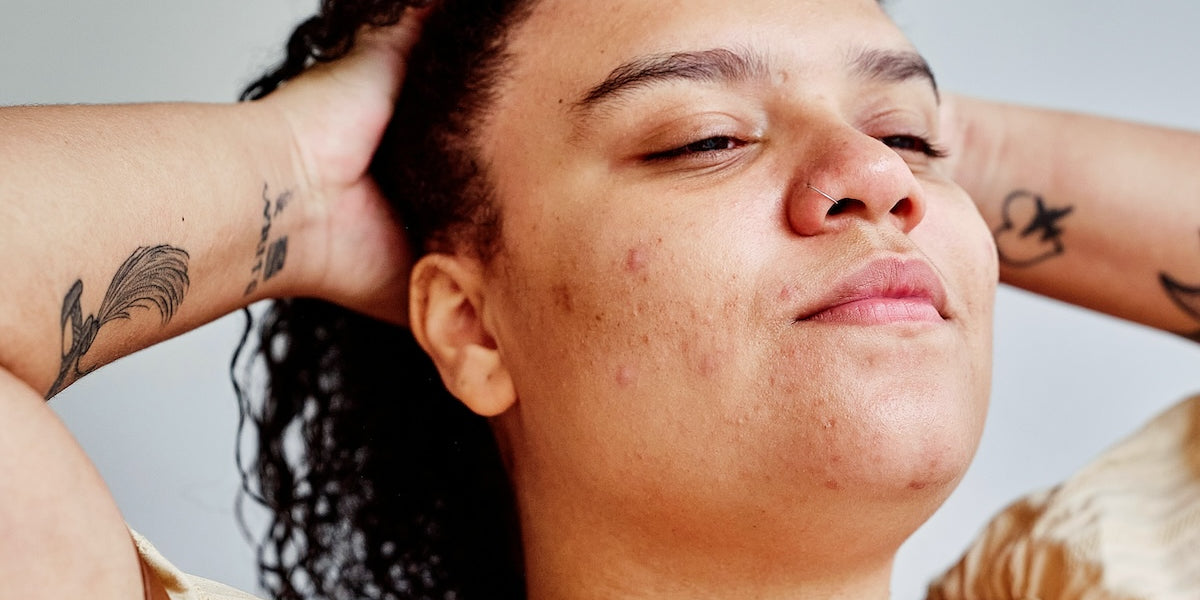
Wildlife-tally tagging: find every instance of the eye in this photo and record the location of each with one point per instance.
(716, 143)
(913, 143)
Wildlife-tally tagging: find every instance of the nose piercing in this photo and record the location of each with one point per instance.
(827, 196)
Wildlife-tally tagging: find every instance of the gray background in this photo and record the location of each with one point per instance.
(160, 425)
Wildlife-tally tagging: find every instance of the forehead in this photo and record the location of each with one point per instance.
(566, 47)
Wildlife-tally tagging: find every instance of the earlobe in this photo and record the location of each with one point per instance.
(446, 313)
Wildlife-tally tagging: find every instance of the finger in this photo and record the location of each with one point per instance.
(383, 51)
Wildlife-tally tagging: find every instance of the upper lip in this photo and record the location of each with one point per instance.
(892, 277)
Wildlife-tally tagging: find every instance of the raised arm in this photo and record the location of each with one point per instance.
(1100, 213)
(121, 226)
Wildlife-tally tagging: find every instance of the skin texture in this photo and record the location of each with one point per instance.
(673, 430)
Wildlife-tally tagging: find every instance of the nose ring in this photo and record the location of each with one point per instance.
(827, 196)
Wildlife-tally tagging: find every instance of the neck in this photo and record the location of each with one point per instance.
(583, 561)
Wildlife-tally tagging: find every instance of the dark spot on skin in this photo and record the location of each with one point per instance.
(833, 484)
(917, 485)
(564, 300)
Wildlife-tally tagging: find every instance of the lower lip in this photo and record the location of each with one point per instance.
(880, 311)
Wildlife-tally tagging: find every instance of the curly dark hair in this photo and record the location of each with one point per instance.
(379, 483)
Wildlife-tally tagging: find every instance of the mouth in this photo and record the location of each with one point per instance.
(884, 292)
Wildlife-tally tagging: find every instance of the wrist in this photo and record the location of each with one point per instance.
(977, 141)
(288, 209)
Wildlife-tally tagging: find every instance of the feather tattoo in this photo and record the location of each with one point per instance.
(152, 278)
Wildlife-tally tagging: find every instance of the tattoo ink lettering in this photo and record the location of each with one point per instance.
(1186, 297)
(276, 256)
(1029, 232)
(151, 278)
(269, 256)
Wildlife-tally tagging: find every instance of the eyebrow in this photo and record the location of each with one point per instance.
(724, 65)
(720, 65)
(893, 66)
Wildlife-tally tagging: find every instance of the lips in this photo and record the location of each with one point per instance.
(890, 290)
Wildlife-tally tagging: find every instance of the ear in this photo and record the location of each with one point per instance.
(446, 312)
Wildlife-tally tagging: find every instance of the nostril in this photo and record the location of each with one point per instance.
(903, 207)
(845, 205)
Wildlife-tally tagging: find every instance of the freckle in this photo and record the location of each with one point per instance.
(626, 376)
(833, 484)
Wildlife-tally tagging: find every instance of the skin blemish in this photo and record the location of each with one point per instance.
(832, 484)
(917, 485)
(636, 258)
(626, 376)
(563, 298)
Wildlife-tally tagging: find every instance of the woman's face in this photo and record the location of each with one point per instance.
(700, 342)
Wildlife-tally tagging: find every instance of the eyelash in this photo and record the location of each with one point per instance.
(914, 143)
(721, 143)
(716, 143)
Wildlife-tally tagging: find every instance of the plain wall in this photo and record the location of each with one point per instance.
(160, 425)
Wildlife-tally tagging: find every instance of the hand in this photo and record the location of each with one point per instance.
(973, 148)
(337, 113)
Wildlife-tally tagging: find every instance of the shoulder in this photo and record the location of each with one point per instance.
(177, 584)
(1126, 526)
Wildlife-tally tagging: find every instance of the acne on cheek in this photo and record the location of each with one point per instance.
(626, 375)
(639, 257)
(563, 298)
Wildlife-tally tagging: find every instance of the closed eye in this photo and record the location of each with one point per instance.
(717, 143)
(914, 143)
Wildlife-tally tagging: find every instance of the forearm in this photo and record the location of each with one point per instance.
(125, 225)
(61, 535)
(1093, 211)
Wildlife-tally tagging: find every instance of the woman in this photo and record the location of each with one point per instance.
(719, 409)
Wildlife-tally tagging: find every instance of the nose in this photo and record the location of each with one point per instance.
(851, 176)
